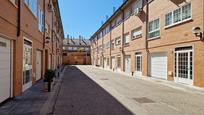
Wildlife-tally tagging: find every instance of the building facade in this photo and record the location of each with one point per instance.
(76, 52)
(31, 36)
(154, 38)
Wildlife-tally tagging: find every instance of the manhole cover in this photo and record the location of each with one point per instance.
(104, 79)
(143, 100)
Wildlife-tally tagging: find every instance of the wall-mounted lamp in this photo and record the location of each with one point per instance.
(197, 32)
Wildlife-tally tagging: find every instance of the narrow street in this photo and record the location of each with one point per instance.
(87, 90)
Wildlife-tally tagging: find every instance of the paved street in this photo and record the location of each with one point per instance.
(87, 90)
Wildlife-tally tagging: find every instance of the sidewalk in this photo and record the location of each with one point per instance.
(34, 101)
(29, 103)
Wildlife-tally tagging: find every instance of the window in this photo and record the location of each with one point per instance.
(154, 30)
(32, 4)
(119, 20)
(117, 41)
(106, 45)
(126, 38)
(40, 20)
(137, 4)
(118, 62)
(127, 13)
(113, 24)
(112, 44)
(179, 15)
(107, 30)
(168, 19)
(137, 33)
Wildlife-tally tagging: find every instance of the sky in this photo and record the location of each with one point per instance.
(84, 17)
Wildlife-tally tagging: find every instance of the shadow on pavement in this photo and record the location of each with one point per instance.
(79, 95)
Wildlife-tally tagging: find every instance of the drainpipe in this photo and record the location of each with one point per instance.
(44, 24)
(146, 35)
(122, 41)
(19, 19)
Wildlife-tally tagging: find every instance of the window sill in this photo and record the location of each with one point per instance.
(126, 45)
(137, 38)
(153, 38)
(178, 23)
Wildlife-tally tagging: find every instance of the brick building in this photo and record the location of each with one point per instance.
(76, 51)
(155, 38)
(31, 36)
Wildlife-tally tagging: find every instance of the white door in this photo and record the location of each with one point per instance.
(184, 67)
(5, 69)
(27, 65)
(158, 65)
(127, 64)
(105, 63)
(38, 65)
(113, 63)
(138, 65)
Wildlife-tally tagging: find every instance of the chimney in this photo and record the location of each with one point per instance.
(114, 9)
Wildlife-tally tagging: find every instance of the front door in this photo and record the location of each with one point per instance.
(113, 63)
(38, 64)
(127, 64)
(27, 65)
(184, 66)
(138, 65)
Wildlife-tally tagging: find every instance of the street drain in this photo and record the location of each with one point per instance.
(104, 79)
(143, 100)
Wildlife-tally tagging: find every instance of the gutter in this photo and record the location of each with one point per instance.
(19, 19)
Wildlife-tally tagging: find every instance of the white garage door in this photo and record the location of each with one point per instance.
(158, 65)
(5, 69)
(38, 64)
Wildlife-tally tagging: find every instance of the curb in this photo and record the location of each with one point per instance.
(48, 107)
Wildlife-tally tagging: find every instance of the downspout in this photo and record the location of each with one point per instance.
(44, 24)
(19, 19)
(146, 35)
(122, 59)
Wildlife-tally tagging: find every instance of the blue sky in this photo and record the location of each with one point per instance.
(84, 17)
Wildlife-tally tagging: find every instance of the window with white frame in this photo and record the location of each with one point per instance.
(127, 13)
(117, 41)
(179, 15)
(112, 44)
(40, 20)
(113, 24)
(154, 29)
(137, 33)
(107, 29)
(137, 4)
(119, 20)
(126, 38)
(32, 4)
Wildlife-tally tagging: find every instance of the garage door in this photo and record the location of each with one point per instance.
(5, 69)
(158, 65)
(38, 64)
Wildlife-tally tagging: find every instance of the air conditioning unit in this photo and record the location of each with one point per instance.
(138, 11)
(50, 7)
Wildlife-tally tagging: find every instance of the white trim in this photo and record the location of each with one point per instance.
(29, 84)
(180, 22)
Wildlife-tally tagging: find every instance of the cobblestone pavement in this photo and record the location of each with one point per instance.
(29, 103)
(87, 90)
